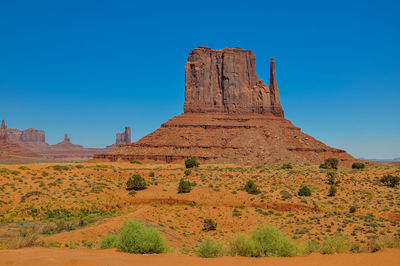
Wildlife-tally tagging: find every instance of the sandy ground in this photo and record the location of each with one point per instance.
(58, 256)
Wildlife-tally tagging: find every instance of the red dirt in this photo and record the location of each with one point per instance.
(58, 256)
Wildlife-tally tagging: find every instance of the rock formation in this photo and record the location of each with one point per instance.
(124, 137)
(226, 81)
(230, 116)
(12, 151)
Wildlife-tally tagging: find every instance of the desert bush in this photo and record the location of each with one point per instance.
(187, 172)
(323, 166)
(332, 163)
(191, 162)
(383, 242)
(184, 186)
(358, 165)
(285, 195)
(390, 181)
(136, 182)
(151, 174)
(332, 191)
(304, 191)
(286, 166)
(336, 243)
(311, 247)
(28, 236)
(331, 178)
(135, 162)
(269, 242)
(251, 187)
(242, 245)
(209, 225)
(209, 249)
(108, 241)
(352, 209)
(136, 238)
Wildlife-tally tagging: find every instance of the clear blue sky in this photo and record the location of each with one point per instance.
(91, 67)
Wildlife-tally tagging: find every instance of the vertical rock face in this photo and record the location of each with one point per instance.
(225, 81)
(33, 135)
(3, 131)
(124, 137)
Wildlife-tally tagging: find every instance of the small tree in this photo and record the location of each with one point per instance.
(184, 186)
(191, 162)
(332, 191)
(136, 182)
(358, 165)
(304, 191)
(390, 181)
(332, 163)
(331, 179)
(251, 187)
(209, 225)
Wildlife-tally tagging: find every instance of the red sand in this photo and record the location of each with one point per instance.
(59, 256)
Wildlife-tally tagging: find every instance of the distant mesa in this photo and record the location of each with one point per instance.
(230, 116)
(30, 146)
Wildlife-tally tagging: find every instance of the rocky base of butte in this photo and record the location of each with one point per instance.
(230, 117)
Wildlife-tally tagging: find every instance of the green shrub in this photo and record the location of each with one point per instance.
(251, 187)
(304, 191)
(191, 162)
(184, 186)
(209, 225)
(331, 178)
(352, 209)
(332, 163)
(383, 242)
(187, 172)
(135, 162)
(151, 174)
(358, 165)
(390, 181)
(285, 195)
(28, 236)
(136, 182)
(108, 241)
(311, 247)
(332, 191)
(242, 245)
(323, 166)
(286, 166)
(136, 238)
(209, 249)
(269, 242)
(336, 243)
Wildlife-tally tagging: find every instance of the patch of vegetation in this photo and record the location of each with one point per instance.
(134, 237)
(28, 236)
(209, 225)
(184, 186)
(264, 242)
(336, 243)
(187, 172)
(191, 162)
(304, 191)
(332, 191)
(331, 178)
(332, 163)
(251, 187)
(358, 165)
(136, 182)
(135, 162)
(209, 249)
(390, 181)
(286, 166)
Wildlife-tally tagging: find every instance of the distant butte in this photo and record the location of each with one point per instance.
(230, 116)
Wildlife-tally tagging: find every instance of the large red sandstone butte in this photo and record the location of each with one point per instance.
(230, 116)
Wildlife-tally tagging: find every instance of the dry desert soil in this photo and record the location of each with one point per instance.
(72, 206)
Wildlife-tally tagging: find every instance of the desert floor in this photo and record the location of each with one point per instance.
(61, 256)
(75, 205)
